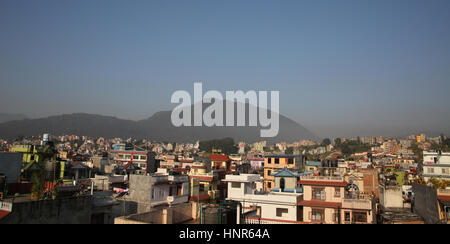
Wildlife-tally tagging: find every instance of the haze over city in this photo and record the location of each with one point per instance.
(359, 68)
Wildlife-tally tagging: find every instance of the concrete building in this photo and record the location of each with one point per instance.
(261, 207)
(204, 186)
(330, 200)
(436, 165)
(144, 161)
(161, 188)
(274, 163)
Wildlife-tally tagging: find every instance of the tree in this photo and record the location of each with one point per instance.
(337, 142)
(326, 142)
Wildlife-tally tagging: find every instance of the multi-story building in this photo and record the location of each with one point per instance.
(274, 163)
(204, 185)
(330, 200)
(260, 207)
(144, 161)
(161, 188)
(436, 165)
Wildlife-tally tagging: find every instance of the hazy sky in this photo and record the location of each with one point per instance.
(342, 67)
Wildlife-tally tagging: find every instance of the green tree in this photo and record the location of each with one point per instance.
(326, 142)
(337, 142)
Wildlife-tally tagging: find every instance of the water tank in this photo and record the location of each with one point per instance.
(46, 138)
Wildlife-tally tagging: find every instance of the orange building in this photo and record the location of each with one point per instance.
(275, 163)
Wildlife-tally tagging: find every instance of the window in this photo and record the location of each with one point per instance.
(291, 161)
(135, 157)
(431, 170)
(282, 184)
(235, 185)
(282, 212)
(317, 215)
(269, 172)
(277, 161)
(444, 171)
(347, 216)
(318, 193)
(360, 217)
(337, 192)
(269, 184)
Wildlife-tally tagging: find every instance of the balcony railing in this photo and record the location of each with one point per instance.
(255, 220)
(321, 178)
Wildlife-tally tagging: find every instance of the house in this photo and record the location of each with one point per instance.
(313, 166)
(260, 207)
(274, 163)
(204, 186)
(436, 165)
(256, 163)
(161, 188)
(144, 162)
(331, 200)
(444, 205)
(220, 161)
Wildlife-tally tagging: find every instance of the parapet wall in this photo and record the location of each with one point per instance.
(176, 214)
(75, 210)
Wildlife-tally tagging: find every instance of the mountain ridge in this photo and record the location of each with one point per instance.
(157, 127)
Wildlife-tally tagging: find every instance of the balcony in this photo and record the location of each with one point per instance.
(365, 204)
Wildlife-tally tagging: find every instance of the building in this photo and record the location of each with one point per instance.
(444, 205)
(274, 163)
(161, 188)
(331, 200)
(260, 207)
(436, 165)
(204, 186)
(143, 161)
(256, 163)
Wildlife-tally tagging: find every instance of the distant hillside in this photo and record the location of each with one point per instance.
(158, 127)
(5, 117)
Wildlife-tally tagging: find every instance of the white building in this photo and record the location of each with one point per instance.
(262, 207)
(436, 165)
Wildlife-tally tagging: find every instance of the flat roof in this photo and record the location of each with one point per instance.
(281, 156)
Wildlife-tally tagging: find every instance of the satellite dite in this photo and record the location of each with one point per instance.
(257, 105)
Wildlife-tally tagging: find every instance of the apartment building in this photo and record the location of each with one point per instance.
(436, 165)
(275, 163)
(204, 186)
(260, 207)
(331, 200)
(144, 162)
(161, 188)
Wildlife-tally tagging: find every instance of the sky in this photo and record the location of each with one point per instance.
(343, 68)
